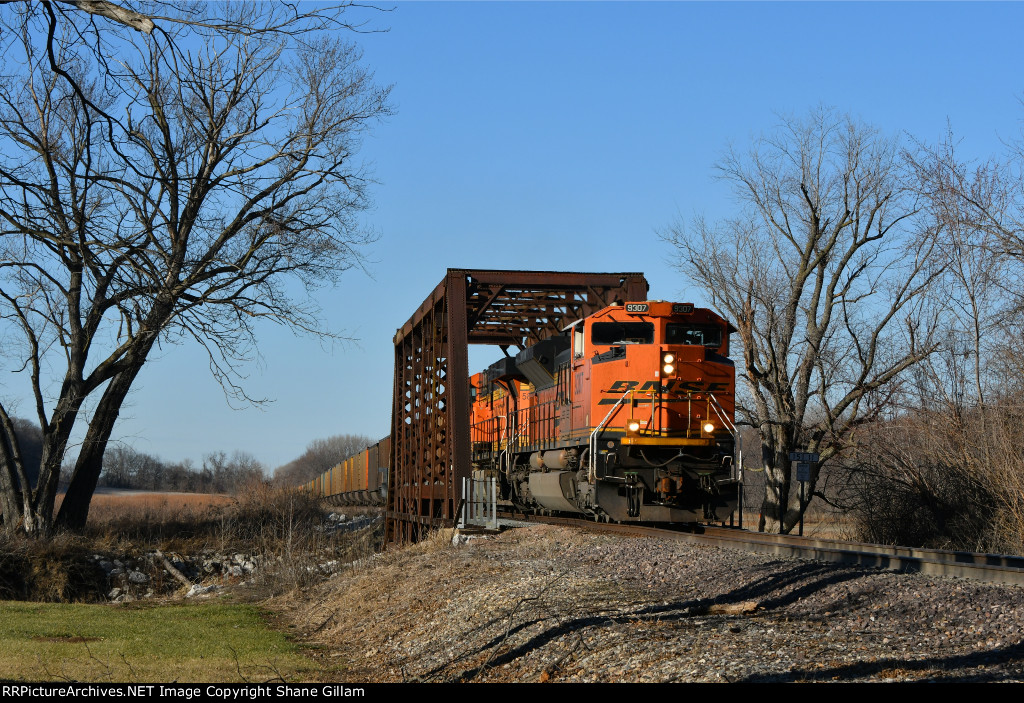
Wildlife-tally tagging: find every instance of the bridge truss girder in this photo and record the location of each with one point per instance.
(430, 452)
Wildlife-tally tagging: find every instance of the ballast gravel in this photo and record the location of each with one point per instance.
(545, 603)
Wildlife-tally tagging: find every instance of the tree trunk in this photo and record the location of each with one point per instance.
(10, 500)
(74, 511)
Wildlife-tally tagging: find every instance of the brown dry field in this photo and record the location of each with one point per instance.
(151, 506)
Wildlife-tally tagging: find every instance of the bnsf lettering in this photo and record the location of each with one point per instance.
(655, 387)
(673, 386)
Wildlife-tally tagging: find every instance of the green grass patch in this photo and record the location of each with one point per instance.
(189, 643)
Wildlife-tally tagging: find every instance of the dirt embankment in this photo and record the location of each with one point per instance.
(551, 604)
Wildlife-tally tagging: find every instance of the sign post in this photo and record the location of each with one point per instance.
(803, 475)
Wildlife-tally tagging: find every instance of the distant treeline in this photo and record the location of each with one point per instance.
(124, 467)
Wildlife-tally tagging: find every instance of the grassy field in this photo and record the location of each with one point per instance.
(59, 632)
(194, 643)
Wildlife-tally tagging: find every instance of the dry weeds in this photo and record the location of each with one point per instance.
(282, 535)
(107, 509)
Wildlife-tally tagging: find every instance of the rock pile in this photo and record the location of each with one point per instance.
(152, 574)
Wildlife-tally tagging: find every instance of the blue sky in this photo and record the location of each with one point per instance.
(564, 136)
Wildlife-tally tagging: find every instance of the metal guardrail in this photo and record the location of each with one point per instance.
(994, 568)
(479, 503)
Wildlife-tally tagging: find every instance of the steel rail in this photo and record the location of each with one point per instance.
(992, 568)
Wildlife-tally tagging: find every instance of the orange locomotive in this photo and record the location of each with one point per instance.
(628, 416)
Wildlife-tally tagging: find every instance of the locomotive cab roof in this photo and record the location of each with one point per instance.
(661, 308)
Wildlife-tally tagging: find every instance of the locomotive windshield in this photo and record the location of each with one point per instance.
(604, 333)
(682, 333)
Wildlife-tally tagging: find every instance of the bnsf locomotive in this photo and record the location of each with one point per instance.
(627, 416)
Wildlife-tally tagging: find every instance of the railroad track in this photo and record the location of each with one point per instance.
(993, 568)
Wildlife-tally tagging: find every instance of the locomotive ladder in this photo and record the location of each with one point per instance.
(592, 442)
(737, 448)
(738, 441)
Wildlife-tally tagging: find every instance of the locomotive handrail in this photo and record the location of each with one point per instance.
(737, 439)
(592, 442)
(512, 437)
(720, 411)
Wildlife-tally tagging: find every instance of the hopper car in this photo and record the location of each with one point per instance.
(361, 479)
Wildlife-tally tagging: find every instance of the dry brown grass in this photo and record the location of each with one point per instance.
(287, 528)
(55, 570)
(176, 521)
(153, 507)
(437, 540)
(820, 524)
(281, 531)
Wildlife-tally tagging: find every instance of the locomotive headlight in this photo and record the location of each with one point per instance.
(633, 426)
(668, 361)
(709, 427)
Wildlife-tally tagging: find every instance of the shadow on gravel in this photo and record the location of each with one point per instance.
(818, 576)
(936, 668)
(769, 592)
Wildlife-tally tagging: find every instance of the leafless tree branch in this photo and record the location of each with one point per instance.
(177, 180)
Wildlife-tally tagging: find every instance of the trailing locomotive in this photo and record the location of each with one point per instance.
(628, 415)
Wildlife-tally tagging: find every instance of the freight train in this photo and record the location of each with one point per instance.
(627, 416)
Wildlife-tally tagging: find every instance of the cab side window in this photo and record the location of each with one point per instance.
(610, 333)
(696, 335)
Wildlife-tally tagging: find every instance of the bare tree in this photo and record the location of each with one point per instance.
(230, 472)
(979, 209)
(155, 188)
(823, 273)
